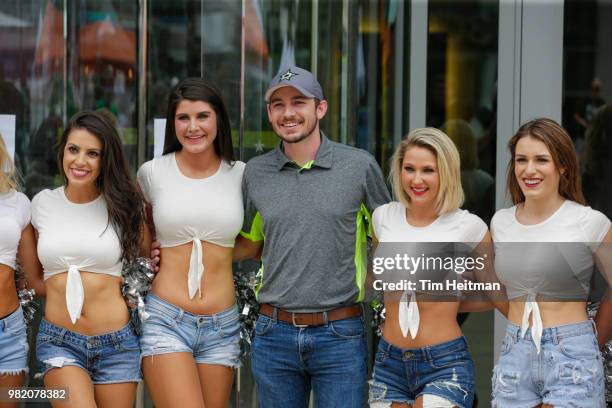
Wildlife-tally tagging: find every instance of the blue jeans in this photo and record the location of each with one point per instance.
(13, 344)
(108, 358)
(288, 361)
(444, 370)
(210, 339)
(568, 371)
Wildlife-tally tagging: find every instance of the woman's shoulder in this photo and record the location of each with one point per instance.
(472, 226)
(504, 216)
(47, 195)
(593, 223)
(389, 209)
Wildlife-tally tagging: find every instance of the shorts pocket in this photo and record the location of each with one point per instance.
(17, 328)
(380, 357)
(263, 325)
(230, 327)
(583, 347)
(158, 317)
(506, 345)
(450, 360)
(348, 328)
(130, 343)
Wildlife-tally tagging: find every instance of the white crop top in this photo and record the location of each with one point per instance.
(14, 217)
(73, 238)
(390, 225)
(554, 270)
(193, 210)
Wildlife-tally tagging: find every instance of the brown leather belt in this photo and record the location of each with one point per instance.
(310, 319)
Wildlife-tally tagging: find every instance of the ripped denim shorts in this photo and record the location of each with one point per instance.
(443, 374)
(108, 358)
(567, 372)
(210, 339)
(13, 344)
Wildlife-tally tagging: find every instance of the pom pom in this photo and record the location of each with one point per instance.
(137, 278)
(25, 295)
(378, 316)
(248, 308)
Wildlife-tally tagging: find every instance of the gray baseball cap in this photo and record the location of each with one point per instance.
(298, 78)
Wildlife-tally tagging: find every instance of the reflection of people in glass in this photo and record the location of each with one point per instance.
(17, 244)
(598, 151)
(556, 362)
(478, 185)
(190, 342)
(587, 107)
(86, 229)
(432, 366)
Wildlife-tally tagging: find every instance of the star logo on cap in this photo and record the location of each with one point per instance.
(288, 75)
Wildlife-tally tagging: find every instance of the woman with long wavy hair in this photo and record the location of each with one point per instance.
(545, 249)
(17, 244)
(86, 230)
(190, 342)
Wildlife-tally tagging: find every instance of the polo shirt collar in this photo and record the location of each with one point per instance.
(323, 158)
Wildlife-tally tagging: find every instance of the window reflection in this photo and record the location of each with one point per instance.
(587, 95)
(462, 53)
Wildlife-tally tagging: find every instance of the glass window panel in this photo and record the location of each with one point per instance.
(462, 53)
(587, 94)
(32, 85)
(103, 64)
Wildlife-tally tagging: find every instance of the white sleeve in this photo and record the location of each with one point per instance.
(595, 225)
(474, 229)
(23, 210)
(36, 203)
(144, 179)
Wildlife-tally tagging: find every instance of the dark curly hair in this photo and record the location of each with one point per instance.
(123, 201)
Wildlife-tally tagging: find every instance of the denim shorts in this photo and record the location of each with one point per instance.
(211, 339)
(444, 370)
(568, 371)
(108, 358)
(13, 344)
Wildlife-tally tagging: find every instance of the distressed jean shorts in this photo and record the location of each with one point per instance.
(210, 339)
(108, 358)
(568, 371)
(442, 372)
(13, 344)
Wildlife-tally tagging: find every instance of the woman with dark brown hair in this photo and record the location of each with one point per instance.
(86, 229)
(545, 248)
(190, 342)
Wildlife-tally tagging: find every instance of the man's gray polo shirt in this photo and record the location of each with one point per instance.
(314, 222)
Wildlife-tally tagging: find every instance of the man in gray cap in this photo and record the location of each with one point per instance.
(308, 203)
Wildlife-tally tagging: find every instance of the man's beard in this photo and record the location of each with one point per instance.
(299, 137)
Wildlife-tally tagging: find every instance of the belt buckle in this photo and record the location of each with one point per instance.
(301, 326)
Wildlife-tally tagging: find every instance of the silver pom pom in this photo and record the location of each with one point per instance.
(245, 283)
(137, 278)
(25, 295)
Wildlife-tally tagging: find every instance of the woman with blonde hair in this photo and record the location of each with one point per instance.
(17, 244)
(545, 249)
(422, 359)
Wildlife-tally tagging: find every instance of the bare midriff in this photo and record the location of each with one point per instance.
(217, 285)
(552, 313)
(8, 293)
(438, 324)
(104, 308)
